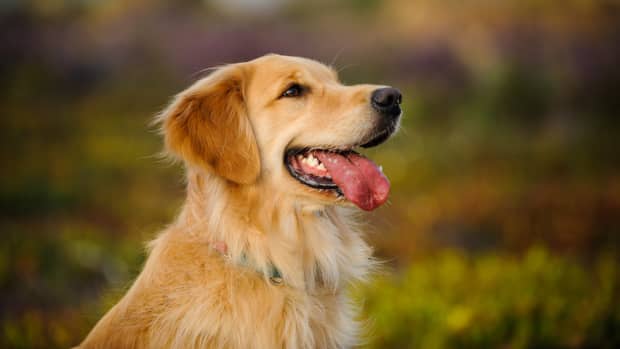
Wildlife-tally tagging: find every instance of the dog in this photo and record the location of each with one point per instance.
(268, 239)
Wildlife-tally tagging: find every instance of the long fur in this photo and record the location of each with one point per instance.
(191, 296)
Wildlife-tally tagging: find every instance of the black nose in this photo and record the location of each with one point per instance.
(386, 101)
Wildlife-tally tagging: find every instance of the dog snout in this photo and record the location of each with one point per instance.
(387, 101)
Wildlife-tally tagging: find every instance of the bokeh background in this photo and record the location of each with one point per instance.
(502, 230)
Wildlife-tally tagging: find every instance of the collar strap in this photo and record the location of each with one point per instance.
(275, 276)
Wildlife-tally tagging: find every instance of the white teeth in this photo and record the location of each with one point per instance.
(311, 161)
(381, 168)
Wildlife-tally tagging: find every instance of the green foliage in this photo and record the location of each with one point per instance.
(496, 301)
(49, 281)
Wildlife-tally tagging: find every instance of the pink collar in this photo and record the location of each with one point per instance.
(275, 277)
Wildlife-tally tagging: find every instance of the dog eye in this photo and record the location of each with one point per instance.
(294, 90)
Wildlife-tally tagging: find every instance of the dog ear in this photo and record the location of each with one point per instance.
(207, 125)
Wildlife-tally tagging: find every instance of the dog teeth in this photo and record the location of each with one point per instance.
(380, 168)
(312, 161)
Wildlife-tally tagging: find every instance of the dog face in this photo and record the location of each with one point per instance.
(286, 124)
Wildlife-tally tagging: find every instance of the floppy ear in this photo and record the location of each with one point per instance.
(207, 125)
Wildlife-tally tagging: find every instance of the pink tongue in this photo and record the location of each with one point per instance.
(359, 178)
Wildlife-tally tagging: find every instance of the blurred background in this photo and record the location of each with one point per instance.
(503, 226)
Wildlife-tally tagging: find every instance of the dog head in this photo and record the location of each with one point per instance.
(288, 125)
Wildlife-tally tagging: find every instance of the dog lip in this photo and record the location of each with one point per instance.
(307, 179)
(380, 136)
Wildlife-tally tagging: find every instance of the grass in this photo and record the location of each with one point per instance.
(537, 300)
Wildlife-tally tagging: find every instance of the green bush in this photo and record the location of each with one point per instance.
(496, 301)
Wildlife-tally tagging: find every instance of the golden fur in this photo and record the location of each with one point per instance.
(231, 130)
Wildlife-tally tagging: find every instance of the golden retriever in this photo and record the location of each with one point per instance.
(267, 241)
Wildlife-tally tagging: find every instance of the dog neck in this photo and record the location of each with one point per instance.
(316, 248)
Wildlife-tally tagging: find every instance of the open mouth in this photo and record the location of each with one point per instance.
(342, 171)
(305, 166)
